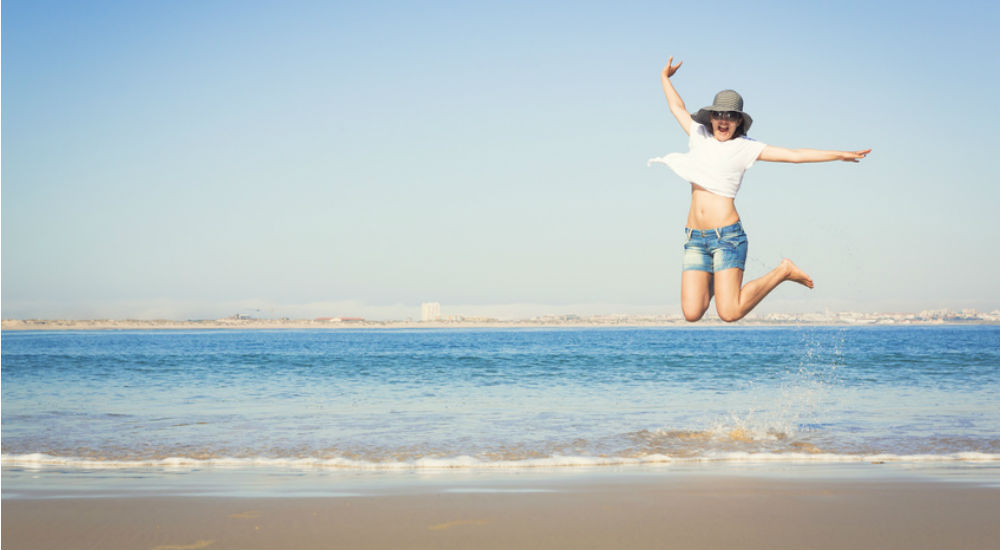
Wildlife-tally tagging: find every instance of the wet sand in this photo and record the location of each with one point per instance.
(668, 512)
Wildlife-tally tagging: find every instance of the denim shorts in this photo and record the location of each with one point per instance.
(713, 250)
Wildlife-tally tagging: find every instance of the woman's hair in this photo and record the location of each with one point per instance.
(740, 130)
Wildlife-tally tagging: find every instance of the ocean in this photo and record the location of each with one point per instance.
(341, 400)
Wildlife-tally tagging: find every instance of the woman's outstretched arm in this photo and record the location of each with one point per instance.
(673, 98)
(780, 154)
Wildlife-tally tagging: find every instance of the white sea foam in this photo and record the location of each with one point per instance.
(467, 462)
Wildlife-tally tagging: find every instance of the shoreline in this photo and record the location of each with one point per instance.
(649, 511)
(306, 324)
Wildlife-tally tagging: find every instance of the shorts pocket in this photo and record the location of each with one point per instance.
(734, 241)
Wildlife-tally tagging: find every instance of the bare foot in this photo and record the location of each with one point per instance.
(796, 274)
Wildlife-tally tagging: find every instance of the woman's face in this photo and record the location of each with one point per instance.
(725, 123)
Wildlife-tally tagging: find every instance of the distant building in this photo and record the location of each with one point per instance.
(430, 311)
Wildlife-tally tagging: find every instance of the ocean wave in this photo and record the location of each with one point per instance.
(40, 461)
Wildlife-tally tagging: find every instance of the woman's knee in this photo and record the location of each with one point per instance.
(696, 294)
(692, 314)
(728, 314)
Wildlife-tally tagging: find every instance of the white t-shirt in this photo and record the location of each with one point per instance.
(718, 166)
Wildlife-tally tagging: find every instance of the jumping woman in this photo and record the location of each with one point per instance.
(716, 248)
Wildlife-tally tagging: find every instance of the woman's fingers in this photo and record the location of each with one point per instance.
(671, 68)
(855, 156)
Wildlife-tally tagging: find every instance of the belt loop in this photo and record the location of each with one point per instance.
(718, 233)
(687, 231)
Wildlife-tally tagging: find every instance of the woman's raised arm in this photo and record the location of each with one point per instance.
(673, 98)
(781, 154)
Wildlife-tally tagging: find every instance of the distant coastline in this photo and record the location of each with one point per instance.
(546, 322)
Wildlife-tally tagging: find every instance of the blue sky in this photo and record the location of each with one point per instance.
(191, 159)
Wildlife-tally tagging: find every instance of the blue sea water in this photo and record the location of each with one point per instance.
(499, 398)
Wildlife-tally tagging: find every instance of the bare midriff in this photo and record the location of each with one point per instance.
(709, 211)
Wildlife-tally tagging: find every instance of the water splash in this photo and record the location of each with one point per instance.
(785, 416)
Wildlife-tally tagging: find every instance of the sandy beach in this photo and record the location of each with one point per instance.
(644, 512)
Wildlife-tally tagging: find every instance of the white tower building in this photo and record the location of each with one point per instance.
(430, 311)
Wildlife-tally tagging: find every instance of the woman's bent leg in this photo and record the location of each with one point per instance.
(696, 293)
(733, 302)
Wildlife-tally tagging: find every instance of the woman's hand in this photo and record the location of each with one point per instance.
(670, 69)
(854, 156)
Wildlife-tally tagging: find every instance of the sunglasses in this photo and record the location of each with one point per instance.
(726, 115)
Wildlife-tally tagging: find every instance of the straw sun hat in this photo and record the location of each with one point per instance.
(726, 100)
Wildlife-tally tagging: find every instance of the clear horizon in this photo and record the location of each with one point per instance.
(191, 159)
(502, 313)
